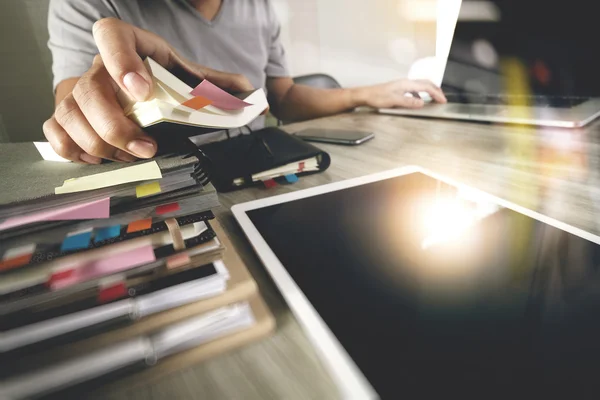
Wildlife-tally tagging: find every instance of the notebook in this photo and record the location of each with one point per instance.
(56, 273)
(165, 293)
(240, 286)
(145, 351)
(87, 294)
(174, 101)
(29, 182)
(266, 154)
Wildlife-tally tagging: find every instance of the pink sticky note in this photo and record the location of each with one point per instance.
(106, 266)
(89, 210)
(220, 98)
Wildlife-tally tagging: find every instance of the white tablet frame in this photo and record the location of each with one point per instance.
(344, 372)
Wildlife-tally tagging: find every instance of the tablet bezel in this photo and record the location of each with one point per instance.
(344, 372)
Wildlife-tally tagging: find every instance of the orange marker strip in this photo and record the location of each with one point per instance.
(197, 102)
(140, 225)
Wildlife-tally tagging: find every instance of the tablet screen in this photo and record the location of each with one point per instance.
(429, 288)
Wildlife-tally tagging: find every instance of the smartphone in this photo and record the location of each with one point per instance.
(337, 136)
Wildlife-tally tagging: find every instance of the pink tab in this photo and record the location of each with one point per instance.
(105, 266)
(89, 210)
(220, 98)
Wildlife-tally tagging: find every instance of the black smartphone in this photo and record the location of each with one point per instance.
(337, 136)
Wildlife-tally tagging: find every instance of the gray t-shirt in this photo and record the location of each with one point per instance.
(243, 38)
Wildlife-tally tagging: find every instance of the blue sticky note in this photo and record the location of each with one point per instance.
(107, 232)
(76, 241)
(291, 178)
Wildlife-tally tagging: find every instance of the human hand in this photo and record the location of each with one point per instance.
(89, 123)
(393, 94)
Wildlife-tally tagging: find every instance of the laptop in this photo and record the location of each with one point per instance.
(529, 62)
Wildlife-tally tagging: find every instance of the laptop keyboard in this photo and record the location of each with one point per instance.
(504, 99)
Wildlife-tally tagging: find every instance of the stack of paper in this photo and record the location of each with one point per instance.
(111, 266)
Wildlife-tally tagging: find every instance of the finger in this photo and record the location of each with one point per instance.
(122, 47)
(63, 145)
(72, 120)
(409, 102)
(95, 94)
(424, 85)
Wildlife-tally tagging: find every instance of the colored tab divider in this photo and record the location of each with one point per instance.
(142, 172)
(58, 276)
(87, 210)
(113, 292)
(139, 225)
(107, 232)
(197, 102)
(17, 257)
(167, 208)
(104, 266)
(147, 189)
(291, 178)
(269, 183)
(77, 240)
(219, 98)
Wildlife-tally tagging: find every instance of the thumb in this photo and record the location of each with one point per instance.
(121, 47)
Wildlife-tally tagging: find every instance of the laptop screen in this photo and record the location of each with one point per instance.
(432, 290)
(524, 47)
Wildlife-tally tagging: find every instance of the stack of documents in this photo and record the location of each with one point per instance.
(114, 270)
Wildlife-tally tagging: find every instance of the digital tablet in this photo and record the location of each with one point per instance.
(411, 285)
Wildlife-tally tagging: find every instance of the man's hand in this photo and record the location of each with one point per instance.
(89, 123)
(393, 94)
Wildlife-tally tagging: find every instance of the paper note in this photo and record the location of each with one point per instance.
(48, 153)
(291, 178)
(77, 240)
(108, 265)
(107, 232)
(197, 102)
(88, 210)
(167, 208)
(147, 189)
(220, 98)
(135, 173)
(140, 225)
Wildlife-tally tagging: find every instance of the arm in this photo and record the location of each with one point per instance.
(89, 123)
(293, 102)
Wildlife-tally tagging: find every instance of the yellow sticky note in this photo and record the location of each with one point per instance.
(136, 173)
(147, 189)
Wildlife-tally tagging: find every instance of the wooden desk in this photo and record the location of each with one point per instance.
(553, 171)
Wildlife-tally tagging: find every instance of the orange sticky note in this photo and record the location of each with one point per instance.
(140, 225)
(197, 102)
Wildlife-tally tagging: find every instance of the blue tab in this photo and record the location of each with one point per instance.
(291, 178)
(107, 232)
(76, 241)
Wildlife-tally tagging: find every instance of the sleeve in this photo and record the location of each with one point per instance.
(277, 65)
(70, 29)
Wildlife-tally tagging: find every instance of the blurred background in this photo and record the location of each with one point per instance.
(356, 42)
